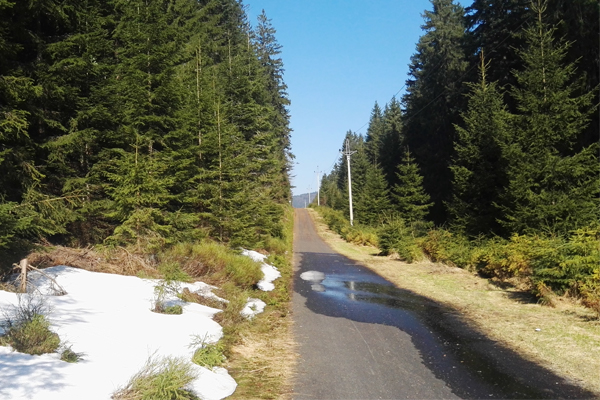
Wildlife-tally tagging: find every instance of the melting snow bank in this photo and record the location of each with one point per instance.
(270, 272)
(107, 317)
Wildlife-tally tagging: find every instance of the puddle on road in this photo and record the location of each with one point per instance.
(363, 296)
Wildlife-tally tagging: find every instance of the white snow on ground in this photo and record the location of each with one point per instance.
(253, 307)
(270, 272)
(108, 318)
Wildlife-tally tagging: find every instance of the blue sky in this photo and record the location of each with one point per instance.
(340, 57)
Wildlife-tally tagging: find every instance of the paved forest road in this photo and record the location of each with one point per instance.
(361, 338)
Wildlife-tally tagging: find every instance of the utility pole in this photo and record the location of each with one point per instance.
(308, 195)
(348, 153)
(318, 186)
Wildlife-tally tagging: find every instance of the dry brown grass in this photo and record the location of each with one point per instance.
(114, 261)
(568, 342)
(263, 362)
(191, 297)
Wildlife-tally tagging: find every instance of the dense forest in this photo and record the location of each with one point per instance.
(494, 144)
(140, 123)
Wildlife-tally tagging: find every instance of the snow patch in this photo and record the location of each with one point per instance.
(108, 318)
(270, 272)
(253, 307)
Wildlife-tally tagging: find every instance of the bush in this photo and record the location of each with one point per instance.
(161, 378)
(443, 246)
(361, 235)
(27, 328)
(568, 264)
(396, 237)
(33, 337)
(171, 271)
(335, 219)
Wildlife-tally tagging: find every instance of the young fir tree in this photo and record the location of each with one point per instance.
(373, 200)
(553, 186)
(410, 199)
(479, 167)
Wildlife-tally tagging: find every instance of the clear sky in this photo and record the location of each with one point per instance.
(340, 57)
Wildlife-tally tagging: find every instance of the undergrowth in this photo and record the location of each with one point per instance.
(358, 234)
(26, 326)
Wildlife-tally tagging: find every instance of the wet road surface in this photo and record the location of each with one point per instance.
(362, 338)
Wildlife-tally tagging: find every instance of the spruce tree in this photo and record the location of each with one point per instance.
(434, 98)
(268, 52)
(479, 167)
(391, 140)
(410, 199)
(146, 99)
(494, 25)
(375, 133)
(553, 185)
(373, 200)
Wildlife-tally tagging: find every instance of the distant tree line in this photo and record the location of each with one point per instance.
(497, 132)
(140, 123)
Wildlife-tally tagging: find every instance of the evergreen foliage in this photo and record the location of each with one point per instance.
(433, 98)
(141, 122)
(373, 201)
(375, 134)
(411, 201)
(553, 184)
(392, 140)
(479, 167)
(511, 169)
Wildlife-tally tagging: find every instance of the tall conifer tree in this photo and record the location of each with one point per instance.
(375, 133)
(553, 185)
(479, 167)
(391, 140)
(433, 98)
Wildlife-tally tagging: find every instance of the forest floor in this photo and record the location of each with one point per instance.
(564, 339)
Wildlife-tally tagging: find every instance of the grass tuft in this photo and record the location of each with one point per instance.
(70, 356)
(27, 329)
(160, 378)
(208, 355)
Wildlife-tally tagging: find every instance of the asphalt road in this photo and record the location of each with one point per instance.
(361, 338)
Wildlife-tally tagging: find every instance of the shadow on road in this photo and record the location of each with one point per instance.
(471, 364)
